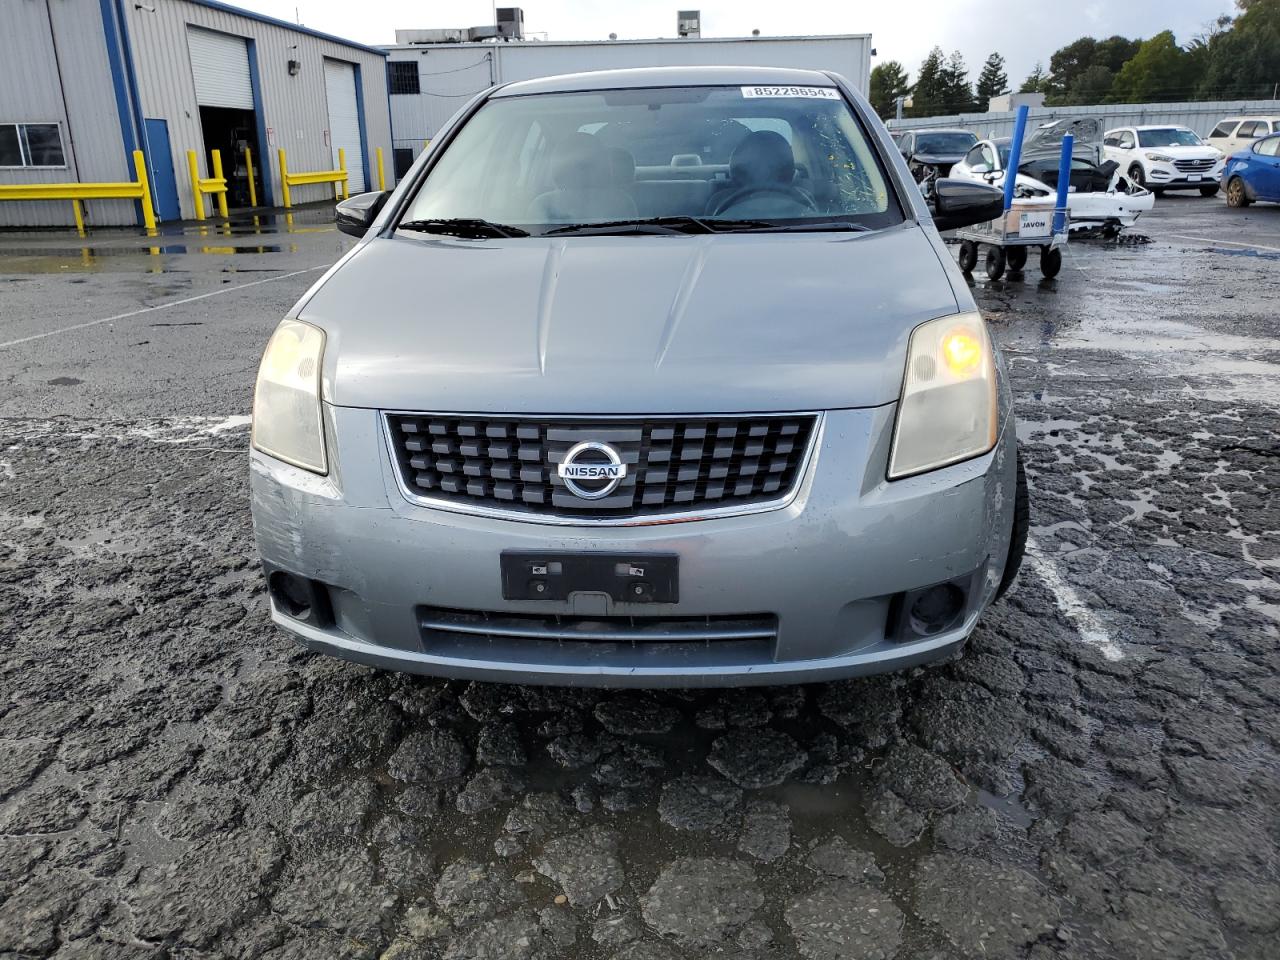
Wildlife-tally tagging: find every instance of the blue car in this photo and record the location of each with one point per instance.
(1253, 173)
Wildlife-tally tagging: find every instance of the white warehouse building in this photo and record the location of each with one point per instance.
(84, 83)
(432, 73)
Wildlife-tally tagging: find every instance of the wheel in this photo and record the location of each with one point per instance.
(1137, 176)
(1018, 538)
(1015, 259)
(995, 263)
(1236, 196)
(1050, 262)
(968, 255)
(1209, 191)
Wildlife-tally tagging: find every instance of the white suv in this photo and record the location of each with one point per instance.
(1164, 157)
(1236, 133)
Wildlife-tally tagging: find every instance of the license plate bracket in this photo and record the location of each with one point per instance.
(625, 577)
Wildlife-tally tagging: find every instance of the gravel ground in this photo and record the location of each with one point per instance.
(1098, 776)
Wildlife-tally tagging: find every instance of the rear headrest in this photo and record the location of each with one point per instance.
(622, 165)
(580, 161)
(763, 157)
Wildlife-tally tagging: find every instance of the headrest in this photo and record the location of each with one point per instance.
(763, 157)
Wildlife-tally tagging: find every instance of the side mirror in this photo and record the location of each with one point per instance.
(355, 214)
(962, 203)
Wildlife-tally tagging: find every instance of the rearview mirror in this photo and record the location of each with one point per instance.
(962, 203)
(355, 214)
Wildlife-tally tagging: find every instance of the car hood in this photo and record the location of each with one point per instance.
(938, 157)
(613, 325)
(1185, 152)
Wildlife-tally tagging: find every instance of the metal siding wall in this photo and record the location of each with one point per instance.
(451, 73)
(293, 108)
(29, 91)
(1200, 117)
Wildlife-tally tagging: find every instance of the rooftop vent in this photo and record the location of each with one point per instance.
(689, 23)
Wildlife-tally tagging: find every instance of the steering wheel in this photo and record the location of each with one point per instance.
(734, 197)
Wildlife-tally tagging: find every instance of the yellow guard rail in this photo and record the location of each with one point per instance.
(337, 177)
(217, 184)
(77, 193)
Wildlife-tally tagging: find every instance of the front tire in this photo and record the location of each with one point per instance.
(968, 255)
(1236, 195)
(1209, 191)
(995, 263)
(1137, 176)
(1050, 262)
(1016, 259)
(1021, 526)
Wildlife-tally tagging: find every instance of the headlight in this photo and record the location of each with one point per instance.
(286, 400)
(947, 412)
(1160, 157)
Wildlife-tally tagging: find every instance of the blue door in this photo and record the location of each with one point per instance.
(1266, 159)
(164, 186)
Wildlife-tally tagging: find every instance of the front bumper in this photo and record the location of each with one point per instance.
(827, 566)
(1167, 175)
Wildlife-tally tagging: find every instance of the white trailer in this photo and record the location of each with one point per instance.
(430, 81)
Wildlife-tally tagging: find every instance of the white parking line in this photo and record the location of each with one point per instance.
(159, 306)
(1230, 243)
(1091, 629)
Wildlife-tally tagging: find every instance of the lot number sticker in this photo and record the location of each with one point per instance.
(1033, 225)
(812, 93)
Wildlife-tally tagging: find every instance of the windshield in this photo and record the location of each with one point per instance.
(958, 142)
(1168, 137)
(769, 155)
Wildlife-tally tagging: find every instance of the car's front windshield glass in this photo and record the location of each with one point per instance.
(1168, 137)
(773, 156)
(944, 142)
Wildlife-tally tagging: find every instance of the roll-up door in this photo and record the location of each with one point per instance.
(220, 65)
(344, 120)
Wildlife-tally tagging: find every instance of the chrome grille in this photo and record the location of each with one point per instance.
(674, 465)
(1194, 166)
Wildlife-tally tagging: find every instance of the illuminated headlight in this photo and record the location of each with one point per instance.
(947, 412)
(286, 400)
(1159, 157)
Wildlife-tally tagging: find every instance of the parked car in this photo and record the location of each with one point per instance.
(1164, 157)
(932, 153)
(1236, 133)
(1253, 173)
(531, 430)
(1099, 198)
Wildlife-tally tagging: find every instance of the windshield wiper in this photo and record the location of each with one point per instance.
(759, 226)
(465, 227)
(638, 226)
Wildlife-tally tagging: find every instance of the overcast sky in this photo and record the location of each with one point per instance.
(902, 30)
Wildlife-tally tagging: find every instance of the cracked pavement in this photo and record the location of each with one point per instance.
(1097, 777)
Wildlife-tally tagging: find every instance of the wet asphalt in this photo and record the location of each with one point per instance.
(1097, 777)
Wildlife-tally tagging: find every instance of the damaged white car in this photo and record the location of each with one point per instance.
(1099, 198)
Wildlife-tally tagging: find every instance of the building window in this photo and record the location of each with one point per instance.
(402, 76)
(404, 158)
(31, 145)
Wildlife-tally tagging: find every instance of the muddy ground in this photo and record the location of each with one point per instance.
(1099, 776)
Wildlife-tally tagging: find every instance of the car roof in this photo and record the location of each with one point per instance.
(1158, 126)
(1251, 116)
(940, 130)
(640, 77)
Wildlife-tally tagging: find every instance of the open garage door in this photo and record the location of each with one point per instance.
(228, 121)
(344, 120)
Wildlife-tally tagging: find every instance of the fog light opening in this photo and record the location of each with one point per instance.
(936, 609)
(292, 594)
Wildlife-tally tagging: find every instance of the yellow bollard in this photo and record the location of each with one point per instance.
(339, 186)
(194, 166)
(284, 179)
(144, 184)
(79, 214)
(382, 177)
(253, 189)
(217, 175)
(426, 144)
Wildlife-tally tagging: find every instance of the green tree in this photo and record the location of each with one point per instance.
(992, 81)
(1035, 81)
(1244, 61)
(1092, 86)
(929, 95)
(1160, 70)
(888, 82)
(1073, 74)
(958, 97)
